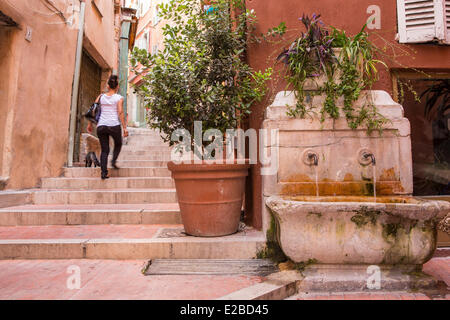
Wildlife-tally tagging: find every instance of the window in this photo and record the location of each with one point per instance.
(144, 6)
(156, 16)
(155, 49)
(133, 4)
(143, 41)
(421, 21)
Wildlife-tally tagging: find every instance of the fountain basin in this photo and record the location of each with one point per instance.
(357, 230)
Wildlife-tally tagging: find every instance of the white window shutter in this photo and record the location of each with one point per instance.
(447, 20)
(421, 21)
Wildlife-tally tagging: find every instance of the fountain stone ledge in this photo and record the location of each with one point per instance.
(336, 230)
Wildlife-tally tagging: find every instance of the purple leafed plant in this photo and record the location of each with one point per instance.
(315, 43)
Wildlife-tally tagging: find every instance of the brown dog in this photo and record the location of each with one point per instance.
(92, 147)
(93, 150)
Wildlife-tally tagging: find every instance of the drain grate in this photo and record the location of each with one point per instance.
(179, 232)
(252, 267)
(171, 233)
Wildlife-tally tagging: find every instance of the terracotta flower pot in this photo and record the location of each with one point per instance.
(210, 197)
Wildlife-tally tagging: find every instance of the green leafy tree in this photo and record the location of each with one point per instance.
(347, 73)
(201, 74)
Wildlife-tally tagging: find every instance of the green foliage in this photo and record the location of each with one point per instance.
(272, 250)
(301, 266)
(347, 71)
(200, 75)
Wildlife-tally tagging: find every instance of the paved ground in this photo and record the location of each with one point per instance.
(107, 279)
(114, 279)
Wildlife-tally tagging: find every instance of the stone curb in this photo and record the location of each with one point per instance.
(277, 286)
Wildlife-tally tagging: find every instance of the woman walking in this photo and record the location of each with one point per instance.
(111, 105)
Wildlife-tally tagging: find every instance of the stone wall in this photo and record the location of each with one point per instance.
(341, 169)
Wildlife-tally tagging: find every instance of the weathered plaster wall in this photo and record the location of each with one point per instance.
(5, 59)
(99, 30)
(344, 14)
(39, 91)
(39, 86)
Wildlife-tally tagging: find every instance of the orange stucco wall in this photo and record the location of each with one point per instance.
(349, 15)
(35, 92)
(100, 30)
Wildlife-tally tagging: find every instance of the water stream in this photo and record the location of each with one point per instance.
(374, 177)
(317, 180)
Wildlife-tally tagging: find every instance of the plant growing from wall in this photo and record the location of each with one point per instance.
(201, 75)
(348, 65)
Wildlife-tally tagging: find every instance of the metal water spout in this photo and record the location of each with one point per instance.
(313, 159)
(367, 155)
(366, 158)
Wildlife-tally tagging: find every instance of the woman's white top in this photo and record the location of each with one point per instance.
(109, 115)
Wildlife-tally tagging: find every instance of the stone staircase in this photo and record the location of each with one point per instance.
(132, 215)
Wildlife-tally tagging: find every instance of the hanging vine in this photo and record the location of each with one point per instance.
(348, 65)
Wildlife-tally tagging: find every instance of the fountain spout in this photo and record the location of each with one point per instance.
(370, 155)
(313, 159)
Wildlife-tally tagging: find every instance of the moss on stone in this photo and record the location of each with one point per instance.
(365, 215)
(301, 266)
(272, 250)
(416, 274)
(340, 228)
(317, 214)
(370, 189)
(390, 229)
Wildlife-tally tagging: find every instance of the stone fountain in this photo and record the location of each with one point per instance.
(341, 200)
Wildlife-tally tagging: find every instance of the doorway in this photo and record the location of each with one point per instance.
(141, 118)
(6, 64)
(89, 89)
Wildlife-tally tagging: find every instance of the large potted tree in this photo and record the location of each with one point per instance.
(201, 77)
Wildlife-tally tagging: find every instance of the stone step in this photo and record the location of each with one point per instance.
(143, 135)
(79, 172)
(141, 163)
(104, 196)
(111, 183)
(28, 215)
(10, 198)
(144, 145)
(145, 141)
(143, 131)
(123, 242)
(146, 155)
(143, 150)
(132, 164)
